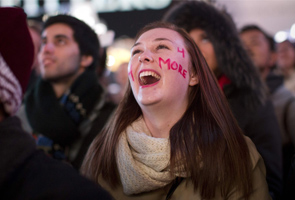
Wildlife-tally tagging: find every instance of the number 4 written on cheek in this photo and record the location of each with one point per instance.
(182, 51)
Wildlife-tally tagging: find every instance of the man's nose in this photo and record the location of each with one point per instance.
(48, 47)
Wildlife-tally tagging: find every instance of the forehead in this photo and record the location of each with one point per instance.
(58, 29)
(165, 33)
(198, 31)
(253, 34)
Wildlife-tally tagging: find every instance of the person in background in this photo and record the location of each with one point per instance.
(286, 63)
(216, 35)
(67, 108)
(25, 172)
(35, 29)
(261, 48)
(173, 135)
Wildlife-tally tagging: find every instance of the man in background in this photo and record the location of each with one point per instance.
(66, 108)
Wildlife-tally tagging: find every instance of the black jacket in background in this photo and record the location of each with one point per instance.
(262, 127)
(26, 173)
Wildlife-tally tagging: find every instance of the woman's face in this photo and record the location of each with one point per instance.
(206, 47)
(159, 69)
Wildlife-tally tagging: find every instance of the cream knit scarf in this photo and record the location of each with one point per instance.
(143, 161)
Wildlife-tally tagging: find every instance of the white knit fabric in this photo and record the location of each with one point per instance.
(10, 89)
(142, 159)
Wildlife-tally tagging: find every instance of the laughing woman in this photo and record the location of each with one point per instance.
(173, 136)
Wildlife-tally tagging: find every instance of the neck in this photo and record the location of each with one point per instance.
(61, 86)
(161, 119)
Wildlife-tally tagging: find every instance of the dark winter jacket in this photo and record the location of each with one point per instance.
(262, 127)
(29, 174)
(290, 183)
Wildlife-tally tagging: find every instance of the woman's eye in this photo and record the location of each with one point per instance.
(135, 52)
(205, 39)
(162, 47)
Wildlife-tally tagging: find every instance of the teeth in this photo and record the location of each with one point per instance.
(149, 73)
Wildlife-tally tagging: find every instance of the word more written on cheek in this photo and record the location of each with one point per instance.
(174, 65)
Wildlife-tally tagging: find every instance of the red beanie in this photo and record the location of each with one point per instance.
(16, 46)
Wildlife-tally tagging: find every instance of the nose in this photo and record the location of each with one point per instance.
(146, 57)
(47, 48)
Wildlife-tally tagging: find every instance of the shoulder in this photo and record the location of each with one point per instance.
(254, 155)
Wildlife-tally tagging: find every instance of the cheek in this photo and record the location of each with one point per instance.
(130, 72)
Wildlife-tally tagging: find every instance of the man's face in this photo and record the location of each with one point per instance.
(59, 56)
(286, 56)
(258, 48)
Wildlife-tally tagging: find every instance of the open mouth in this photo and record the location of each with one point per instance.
(148, 78)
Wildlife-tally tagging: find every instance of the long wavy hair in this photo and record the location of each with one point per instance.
(207, 138)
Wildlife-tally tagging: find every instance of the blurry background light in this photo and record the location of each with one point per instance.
(117, 56)
(100, 28)
(110, 61)
(51, 6)
(292, 32)
(281, 36)
(84, 12)
(31, 7)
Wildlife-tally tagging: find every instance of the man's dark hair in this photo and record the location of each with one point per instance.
(252, 27)
(84, 35)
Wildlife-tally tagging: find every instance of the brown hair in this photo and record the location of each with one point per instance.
(207, 138)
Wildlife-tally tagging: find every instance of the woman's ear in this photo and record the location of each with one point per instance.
(194, 80)
(86, 61)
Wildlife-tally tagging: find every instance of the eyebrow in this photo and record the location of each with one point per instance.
(57, 36)
(160, 39)
(157, 39)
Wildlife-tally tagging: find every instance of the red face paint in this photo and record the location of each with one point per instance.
(182, 51)
(184, 73)
(130, 73)
(173, 66)
(162, 60)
